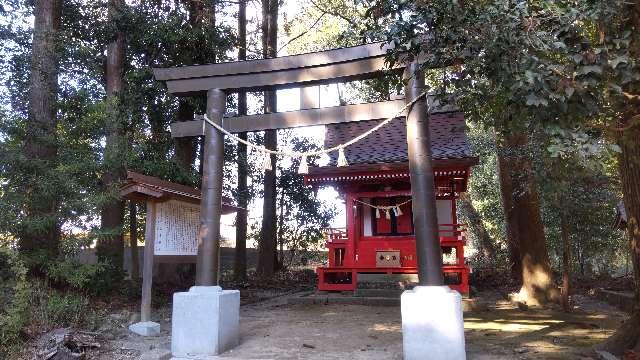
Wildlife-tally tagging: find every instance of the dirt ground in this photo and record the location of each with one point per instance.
(274, 330)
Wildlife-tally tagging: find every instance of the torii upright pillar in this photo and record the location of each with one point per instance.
(431, 313)
(206, 319)
(211, 205)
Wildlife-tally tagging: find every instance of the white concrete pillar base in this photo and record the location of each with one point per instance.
(145, 328)
(205, 322)
(432, 324)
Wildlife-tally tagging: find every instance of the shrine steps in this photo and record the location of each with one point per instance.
(348, 298)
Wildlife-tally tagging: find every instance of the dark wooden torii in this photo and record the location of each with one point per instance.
(338, 65)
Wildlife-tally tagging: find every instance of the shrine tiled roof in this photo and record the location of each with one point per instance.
(389, 143)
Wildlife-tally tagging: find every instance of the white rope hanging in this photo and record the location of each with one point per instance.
(304, 168)
(385, 208)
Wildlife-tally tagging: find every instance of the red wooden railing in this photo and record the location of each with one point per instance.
(448, 232)
(336, 235)
(452, 232)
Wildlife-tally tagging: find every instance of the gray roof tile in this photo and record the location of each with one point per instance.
(389, 143)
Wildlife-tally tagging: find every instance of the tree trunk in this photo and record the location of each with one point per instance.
(628, 335)
(201, 13)
(281, 205)
(240, 264)
(185, 146)
(511, 228)
(40, 229)
(133, 240)
(486, 244)
(524, 222)
(268, 246)
(566, 261)
(110, 245)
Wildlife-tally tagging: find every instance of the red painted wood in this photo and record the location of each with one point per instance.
(351, 252)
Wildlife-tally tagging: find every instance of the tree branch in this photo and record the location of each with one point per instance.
(333, 13)
(302, 33)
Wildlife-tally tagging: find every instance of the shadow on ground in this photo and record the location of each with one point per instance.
(275, 330)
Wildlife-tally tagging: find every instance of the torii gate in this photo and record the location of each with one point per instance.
(432, 315)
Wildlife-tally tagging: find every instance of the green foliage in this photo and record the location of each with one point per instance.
(50, 308)
(29, 306)
(15, 294)
(302, 216)
(323, 25)
(580, 185)
(484, 184)
(92, 278)
(161, 33)
(554, 70)
(331, 24)
(540, 61)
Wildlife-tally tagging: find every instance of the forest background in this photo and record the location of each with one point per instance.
(554, 125)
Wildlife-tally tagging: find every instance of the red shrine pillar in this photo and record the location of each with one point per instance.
(211, 205)
(428, 251)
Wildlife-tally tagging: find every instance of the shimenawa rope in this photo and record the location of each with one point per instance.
(342, 160)
(386, 208)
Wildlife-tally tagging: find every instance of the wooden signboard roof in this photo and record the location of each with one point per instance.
(145, 188)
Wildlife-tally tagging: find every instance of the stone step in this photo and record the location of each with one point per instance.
(389, 285)
(344, 299)
(388, 293)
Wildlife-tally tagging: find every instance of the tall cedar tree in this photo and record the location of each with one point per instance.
(186, 146)
(493, 82)
(41, 228)
(133, 240)
(525, 230)
(240, 264)
(110, 244)
(268, 250)
(628, 138)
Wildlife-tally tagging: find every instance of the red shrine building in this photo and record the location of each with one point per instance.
(379, 235)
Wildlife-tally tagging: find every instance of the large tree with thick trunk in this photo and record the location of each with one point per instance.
(525, 230)
(628, 336)
(268, 234)
(627, 135)
(40, 230)
(185, 147)
(110, 245)
(240, 263)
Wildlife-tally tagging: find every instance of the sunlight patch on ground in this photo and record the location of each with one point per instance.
(598, 316)
(596, 334)
(385, 328)
(544, 347)
(330, 313)
(503, 326)
(535, 322)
